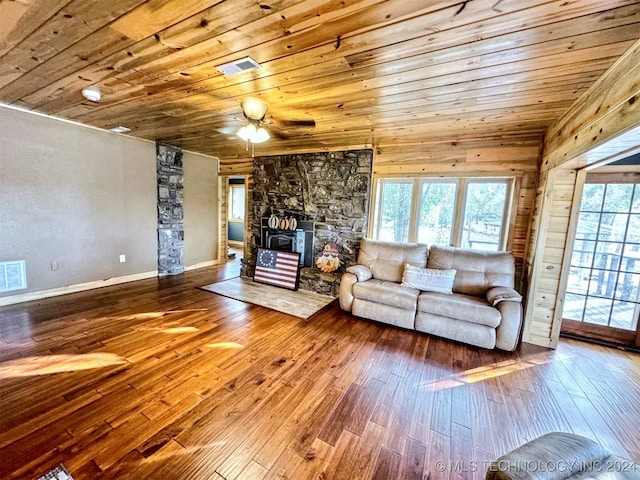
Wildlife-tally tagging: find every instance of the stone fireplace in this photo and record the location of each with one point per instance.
(328, 190)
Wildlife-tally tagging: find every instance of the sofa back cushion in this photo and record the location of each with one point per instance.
(386, 260)
(477, 270)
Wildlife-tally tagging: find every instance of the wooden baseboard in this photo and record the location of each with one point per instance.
(79, 287)
(208, 263)
(54, 292)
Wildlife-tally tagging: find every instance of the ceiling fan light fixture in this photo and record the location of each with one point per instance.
(92, 93)
(261, 136)
(254, 108)
(253, 134)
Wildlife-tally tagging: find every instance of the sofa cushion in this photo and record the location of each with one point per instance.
(461, 307)
(386, 260)
(458, 330)
(389, 293)
(380, 312)
(428, 279)
(477, 270)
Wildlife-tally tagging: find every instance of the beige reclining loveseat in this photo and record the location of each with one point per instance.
(482, 308)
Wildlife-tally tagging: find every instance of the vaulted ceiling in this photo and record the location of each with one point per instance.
(368, 72)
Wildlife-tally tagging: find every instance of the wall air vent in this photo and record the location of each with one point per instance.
(242, 65)
(12, 276)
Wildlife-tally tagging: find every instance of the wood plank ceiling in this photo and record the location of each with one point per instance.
(369, 72)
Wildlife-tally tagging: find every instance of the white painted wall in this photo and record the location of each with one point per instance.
(200, 209)
(81, 197)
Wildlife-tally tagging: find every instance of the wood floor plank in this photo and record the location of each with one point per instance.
(400, 423)
(439, 456)
(368, 452)
(414, 461)
(364, 409)
(159, 379)
(461, 452)
(340, 416)
(337, 464)
(388, 466)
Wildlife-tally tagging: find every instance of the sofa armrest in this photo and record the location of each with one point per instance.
(346, 290)
(362, 272)
(508, 332)
(553, 456)
(495, 295)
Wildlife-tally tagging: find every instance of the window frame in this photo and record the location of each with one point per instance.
(462, 183)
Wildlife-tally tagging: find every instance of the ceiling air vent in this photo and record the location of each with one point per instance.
(242, 65)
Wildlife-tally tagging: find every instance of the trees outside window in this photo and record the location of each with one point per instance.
(467, 212)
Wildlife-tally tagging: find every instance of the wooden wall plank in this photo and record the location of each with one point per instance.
(608, 109)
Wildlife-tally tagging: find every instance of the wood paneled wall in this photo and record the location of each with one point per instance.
(517, 158)
(603, 123)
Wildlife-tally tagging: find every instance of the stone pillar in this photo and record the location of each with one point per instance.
(170, 210)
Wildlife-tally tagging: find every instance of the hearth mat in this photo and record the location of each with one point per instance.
(299, 303)
(58, 473)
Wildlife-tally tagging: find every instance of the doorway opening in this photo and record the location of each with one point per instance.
(236, 217)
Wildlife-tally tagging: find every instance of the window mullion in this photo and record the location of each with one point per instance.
(509, 200)
(461, 196)
(378, 207)
(415, 200)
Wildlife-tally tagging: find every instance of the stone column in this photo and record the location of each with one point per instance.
(170, 210)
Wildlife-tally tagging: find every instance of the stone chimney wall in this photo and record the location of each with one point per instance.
(331, 189)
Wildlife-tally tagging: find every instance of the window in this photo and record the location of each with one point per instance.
(236, 203)
(395, 209)
(604, 280)
(466, 212)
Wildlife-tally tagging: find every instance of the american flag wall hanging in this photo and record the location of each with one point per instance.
(277, 268)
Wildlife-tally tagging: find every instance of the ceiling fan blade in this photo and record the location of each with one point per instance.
(279, 134)
(298, 123)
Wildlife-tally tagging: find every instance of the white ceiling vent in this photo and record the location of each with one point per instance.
(242, 65)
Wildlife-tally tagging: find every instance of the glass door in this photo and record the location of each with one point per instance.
(603, 289)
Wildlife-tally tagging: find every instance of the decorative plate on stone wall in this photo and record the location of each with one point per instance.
(330, 258)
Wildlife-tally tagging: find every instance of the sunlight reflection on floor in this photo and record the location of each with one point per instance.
(48, 364)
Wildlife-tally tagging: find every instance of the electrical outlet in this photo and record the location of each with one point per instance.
(54, 266)
(123, 258)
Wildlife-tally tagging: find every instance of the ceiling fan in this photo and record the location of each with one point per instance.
(257, 130)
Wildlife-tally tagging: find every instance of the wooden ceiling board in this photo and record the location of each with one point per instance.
(369, 72)
(279, 65)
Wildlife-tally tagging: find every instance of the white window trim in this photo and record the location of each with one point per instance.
(461, 194)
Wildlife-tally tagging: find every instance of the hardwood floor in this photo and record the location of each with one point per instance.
(158, 379)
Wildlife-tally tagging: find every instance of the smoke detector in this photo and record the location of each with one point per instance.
(120, 129)
(92, 93)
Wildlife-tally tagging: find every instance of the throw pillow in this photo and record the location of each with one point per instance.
(428, 279)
